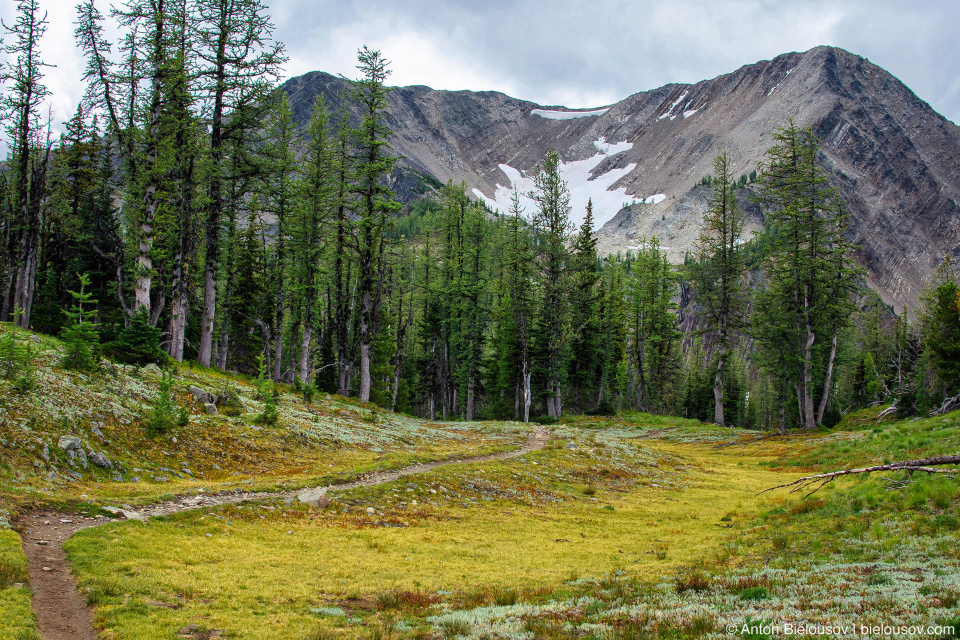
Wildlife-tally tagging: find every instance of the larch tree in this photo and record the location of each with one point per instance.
(552, 225)
(20, 106)
(811, 280)
(718, 274)
(239, 62)
(374, 201)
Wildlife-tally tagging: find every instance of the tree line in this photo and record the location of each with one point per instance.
(183, 215)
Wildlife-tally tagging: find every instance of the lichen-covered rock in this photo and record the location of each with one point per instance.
(69, 443)
(316, 497)
(99, 459)
(210, 408)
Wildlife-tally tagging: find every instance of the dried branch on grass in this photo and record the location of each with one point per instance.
(926, 465)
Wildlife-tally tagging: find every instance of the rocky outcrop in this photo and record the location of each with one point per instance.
(894, 159)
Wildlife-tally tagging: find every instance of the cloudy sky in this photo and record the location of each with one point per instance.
(580, 53)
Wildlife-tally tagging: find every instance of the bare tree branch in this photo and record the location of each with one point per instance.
(925, 464)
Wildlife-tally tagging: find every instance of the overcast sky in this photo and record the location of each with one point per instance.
(579, 53)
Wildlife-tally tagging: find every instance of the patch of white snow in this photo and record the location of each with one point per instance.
(690, 112)
(581, 181)
(567, 115)
(673, 106)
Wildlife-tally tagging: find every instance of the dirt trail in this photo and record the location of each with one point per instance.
(61, 610)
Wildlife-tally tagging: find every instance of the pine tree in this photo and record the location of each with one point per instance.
(315, 196)
(238, 64)
(375, 201)
(718, 274)
(811, 278)
(279, 168)
(80, 337)
(20, 107)
(653, 331)
(552, 225)
(163, 416)
(584, 298)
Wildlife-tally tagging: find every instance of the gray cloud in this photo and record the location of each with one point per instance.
(589, 53)
(578, 53)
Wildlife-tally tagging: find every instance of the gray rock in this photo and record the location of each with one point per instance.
(371, 511)
(217, 467)
(45, 453)
(99, 459)
(151, 369)
(316, 497)
(52, 475)
(201, 396)
(76, 475)
(131, 515)
(95, 428)
(210, 408)
(71, 454)
(135, 479)
(68, 443)
(82, 457)
(117, 477)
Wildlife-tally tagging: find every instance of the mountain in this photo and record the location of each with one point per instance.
(894, 159)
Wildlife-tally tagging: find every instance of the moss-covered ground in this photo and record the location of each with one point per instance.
(630, 527)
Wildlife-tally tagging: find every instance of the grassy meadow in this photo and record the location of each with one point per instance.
(624, 527)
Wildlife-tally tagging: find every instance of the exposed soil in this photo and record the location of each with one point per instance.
(61, 610)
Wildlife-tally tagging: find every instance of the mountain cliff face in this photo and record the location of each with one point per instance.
(894, 159)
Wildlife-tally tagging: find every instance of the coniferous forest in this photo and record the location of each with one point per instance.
(182, 215)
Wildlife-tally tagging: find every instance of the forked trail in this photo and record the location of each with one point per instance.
(62, 611)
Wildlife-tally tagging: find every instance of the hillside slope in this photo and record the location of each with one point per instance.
(895, 160)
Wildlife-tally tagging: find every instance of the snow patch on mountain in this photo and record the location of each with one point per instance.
(581, 181)
(669, 113)
(567, 115)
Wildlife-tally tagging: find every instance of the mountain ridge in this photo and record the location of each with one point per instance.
(890, 155)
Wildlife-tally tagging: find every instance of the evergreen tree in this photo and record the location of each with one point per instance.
(375, 201)
(811, 279)
(653, 331)
(584, 298)
(80, 337)
(718, 274)
(20, 107)
(238, 64)
(552, 225)
(138, 343)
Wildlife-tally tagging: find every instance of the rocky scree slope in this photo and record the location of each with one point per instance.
(894, 159)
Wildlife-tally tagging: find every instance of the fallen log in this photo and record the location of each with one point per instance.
(925, 465)
(950, 404)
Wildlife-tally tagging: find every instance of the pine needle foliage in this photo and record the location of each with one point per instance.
(80, 337)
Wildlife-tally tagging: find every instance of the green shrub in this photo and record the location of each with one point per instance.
(164, 414)
(17, 358)
(753, 593)
(138, 343)
(80, 338)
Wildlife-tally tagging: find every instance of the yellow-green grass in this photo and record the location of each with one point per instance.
(860, 440)
(534, 524)
(326, 440)
(17, 621)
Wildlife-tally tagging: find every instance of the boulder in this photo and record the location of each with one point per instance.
(201, 396)
(99, 459)
(45, 453)
(82, 457)
(316, 497)
(95, 428)
(210, 408)
(151, 369)
(69, 443)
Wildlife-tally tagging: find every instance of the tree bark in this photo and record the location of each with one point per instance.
(827, 379)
